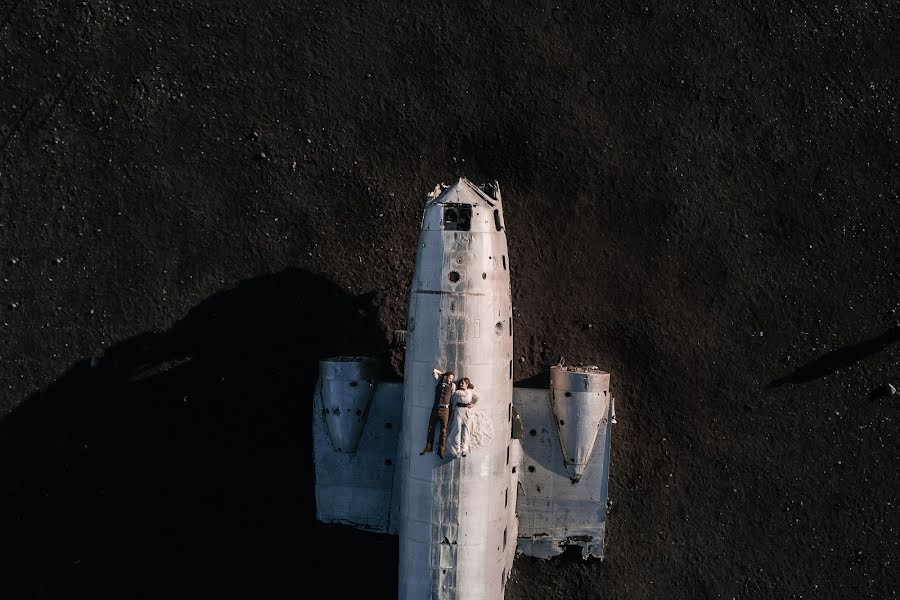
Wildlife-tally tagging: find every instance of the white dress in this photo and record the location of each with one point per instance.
(469, 428)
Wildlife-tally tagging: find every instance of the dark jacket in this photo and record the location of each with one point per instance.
(442, 391)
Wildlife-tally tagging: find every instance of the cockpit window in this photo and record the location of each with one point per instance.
(457, 217)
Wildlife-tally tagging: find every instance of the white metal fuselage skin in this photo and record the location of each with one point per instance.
(457, 514)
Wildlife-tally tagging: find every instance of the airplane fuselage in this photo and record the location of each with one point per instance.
(457, 514)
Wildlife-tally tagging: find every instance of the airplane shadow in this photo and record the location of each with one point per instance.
(179, 463)
(840, 358)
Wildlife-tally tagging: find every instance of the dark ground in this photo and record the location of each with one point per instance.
(203, 198)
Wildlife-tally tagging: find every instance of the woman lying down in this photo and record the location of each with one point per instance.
(469, 428)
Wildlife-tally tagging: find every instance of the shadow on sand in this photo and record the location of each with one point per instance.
(179, 464)
(840, 358)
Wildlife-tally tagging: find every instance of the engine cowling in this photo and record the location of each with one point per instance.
(580, 399)
(346, 388)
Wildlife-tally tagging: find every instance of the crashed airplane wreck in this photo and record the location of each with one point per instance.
(534, 478)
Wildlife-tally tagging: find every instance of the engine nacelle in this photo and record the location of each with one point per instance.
(580, 399)
(346, 387)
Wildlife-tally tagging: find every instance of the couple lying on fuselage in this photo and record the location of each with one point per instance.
(448, 396)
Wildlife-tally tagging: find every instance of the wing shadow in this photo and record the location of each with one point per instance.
(179, 463)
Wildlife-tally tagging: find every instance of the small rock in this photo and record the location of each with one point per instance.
(13, 261)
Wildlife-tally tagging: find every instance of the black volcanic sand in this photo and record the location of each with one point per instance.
(200, 200)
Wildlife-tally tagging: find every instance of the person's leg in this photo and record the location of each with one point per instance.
(432, 421)
(453, 433)
(464, 429)
(444, 416)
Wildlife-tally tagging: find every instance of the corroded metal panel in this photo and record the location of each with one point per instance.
(358, 488)
(555, 511)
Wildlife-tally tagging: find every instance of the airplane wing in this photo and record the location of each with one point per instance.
(564, 463)
(356, 428)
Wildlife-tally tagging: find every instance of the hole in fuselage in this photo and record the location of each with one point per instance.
(453, 276)
(531, 468)
(504, 262)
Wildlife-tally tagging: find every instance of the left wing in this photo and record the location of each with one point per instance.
(564, 466)
(356, 428)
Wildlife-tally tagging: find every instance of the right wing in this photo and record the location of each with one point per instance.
(564, 468)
